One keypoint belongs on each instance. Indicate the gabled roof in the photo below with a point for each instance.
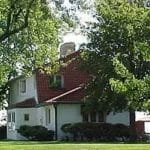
(70, 97)
(28, 103)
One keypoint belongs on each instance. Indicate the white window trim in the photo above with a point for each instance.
(11, 123)
(48, 116)
(62, 79)
(20, 86)
(97, 118)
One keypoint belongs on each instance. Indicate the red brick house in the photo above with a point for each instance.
(52, 100)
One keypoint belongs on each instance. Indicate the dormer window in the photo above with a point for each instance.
(56, 81)
(23, 86)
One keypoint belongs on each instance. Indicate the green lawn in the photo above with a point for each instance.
(20, 145)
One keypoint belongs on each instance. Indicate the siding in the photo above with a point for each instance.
(15, 94)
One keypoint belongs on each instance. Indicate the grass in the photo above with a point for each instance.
(26, 145)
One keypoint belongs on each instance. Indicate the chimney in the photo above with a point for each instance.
(66, 49)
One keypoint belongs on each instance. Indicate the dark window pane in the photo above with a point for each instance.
(85, 117)
(13, 117)
(58, 81)
(23, 86)
(55, 81)
(49, 116)
(9, 117)
(26, 117)
(58, 78)
(50, 80)
(100, 117)
(93, 116)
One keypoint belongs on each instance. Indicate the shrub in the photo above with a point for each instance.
(39, 133)
(65, 127)
(121, 130)
(3, 132)
(25, 131)
(98, 131)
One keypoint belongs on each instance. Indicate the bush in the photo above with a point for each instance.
(3, 132)
(39, 133)
(98, 131)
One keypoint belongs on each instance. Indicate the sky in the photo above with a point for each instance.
(77, 37)
(83, 15)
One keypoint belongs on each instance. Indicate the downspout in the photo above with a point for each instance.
(132, 117)
(132, 123)
(56, 126)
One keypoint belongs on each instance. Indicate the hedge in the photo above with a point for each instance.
(99, 131)
(39, 133)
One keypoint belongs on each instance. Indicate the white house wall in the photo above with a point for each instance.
(19, 120)
(71, 113)
(42, 117)
(67, 113)
(15, 94)
(33, 118)
(142, 116)
(123, 117)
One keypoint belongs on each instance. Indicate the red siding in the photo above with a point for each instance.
(139, 126)
(73, 77)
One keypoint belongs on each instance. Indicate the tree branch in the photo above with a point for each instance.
(9, 32)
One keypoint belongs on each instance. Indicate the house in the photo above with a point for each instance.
(53, 100)
(142, 123)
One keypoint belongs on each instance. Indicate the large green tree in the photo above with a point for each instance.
(118, 57)
(28, 39)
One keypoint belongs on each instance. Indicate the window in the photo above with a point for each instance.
(26, 117)
(11, 121)
(85, 117)
(93, 117)
(101, 117)
(22, 86)
(56, 81)
(48, 116)
(11, 117)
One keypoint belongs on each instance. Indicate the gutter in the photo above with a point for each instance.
(56, 123)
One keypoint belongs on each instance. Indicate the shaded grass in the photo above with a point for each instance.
(56, 145)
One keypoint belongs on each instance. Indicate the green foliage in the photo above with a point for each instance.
(39, 133)
(99, 131)
(55, 81)
(3, 132)
(118, 57)
(28, 40)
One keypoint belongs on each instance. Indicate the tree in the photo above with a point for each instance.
(17, 13)
(28, 39)
(29, 36)
(118, 57)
